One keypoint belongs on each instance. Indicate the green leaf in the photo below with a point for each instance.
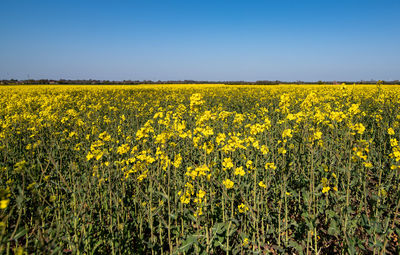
(333, 228)
(297, 246)
(56, 250)
(188, 243)
(218, 228)
(21, 232)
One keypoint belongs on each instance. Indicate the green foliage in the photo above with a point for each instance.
(145, 169)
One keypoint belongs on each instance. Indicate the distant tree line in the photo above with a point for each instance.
(136, 82)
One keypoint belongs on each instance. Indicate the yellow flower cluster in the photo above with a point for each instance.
(184, 159)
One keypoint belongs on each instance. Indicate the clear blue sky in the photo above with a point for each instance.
(200, 40)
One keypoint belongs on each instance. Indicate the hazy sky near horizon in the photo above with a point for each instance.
(249, 40)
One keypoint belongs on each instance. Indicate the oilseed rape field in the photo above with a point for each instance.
(200, 169)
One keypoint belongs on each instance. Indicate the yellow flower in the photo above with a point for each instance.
(196, 100)
(104, 136)
(317, 135)
(243, 208)
(72, 134)
(142, 176)
(198, 212)
(390, 131)
(325, 189)
(240, 171)
(208, 147)
(245, 242)
(227, 164)
(190, 172)
(270, 166)
(291, 116)
(123, 149)
(282, 150)
(396, 154)
(201, 171)
(367, 164)
(4, 203)
(228, 183)
(360, 128)
(262, 184)
(178, 160)
(220, 138)
(249, 164)
(185, 199)
(99, 155)
(287, 133)
(264, 149)
(19, 251)
(201, 194)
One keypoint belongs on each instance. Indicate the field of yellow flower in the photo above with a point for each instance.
(207, 169)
